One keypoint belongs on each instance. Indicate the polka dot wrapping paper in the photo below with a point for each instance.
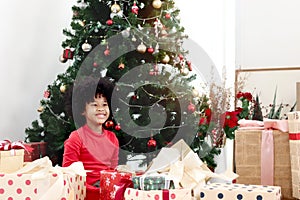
(109, 183)
(23, 187)
(229, 191)
(173, 194)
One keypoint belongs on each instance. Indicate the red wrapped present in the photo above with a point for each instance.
(39, 150)
(111, 181)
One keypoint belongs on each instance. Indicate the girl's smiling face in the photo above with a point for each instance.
(96, 113)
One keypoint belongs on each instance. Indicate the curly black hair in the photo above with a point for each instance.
(84, 91)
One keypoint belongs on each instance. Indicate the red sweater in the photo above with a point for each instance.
(96, 151)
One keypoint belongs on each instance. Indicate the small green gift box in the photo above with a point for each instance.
(157, 182)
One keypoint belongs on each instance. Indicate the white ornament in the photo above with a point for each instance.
(195, 92)
(126, 33)
(86, 47)
(184, 71)
(82, 5)
(133, 39)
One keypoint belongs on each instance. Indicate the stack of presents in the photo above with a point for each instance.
(267, 167)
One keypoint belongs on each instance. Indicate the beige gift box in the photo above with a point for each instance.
(11, 160)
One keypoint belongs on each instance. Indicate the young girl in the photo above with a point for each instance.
(96, 147)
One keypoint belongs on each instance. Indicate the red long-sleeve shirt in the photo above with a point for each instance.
(96, 151)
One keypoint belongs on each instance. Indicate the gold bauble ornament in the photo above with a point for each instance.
(121, 66)
(166, 59)
(156, 4)
(115, 8)
(141, 48)
(62, 59)
(41, 109)
(62, 88)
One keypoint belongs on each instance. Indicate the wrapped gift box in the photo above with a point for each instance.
(248, 159)
(294, 133)
(110, 182)
(39, 151)
(41, 181)
(174, 194)
(152, 182)
(298, 95)
(229, 191)
(11, 160)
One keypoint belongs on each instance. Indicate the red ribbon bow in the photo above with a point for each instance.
(6, 145)
(123, 184)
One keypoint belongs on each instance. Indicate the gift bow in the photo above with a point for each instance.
(122, 185)
(6, 145)
(43, 166)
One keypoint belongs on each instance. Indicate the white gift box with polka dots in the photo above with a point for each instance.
(174, 194)
(23, 187)
(229, 191)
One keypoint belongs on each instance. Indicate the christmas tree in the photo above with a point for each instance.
(138, 45)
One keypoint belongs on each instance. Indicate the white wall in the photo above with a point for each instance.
(268, 36)
(31, 37)
(268, 33)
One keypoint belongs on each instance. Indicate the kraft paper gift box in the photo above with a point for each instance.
(248, 158)
(298, 95)
(229, 191)
(11, 160)
(39, 150)
(38, 180)
(294, 135)
(110, 182)
(174, 194)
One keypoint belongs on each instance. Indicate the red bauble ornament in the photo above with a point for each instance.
(118, 127)
(189, 65)
(168, 16)
(107, 52)
(150, 50)
(95, 64)
(191, 108)
(109, 124)
(109, 22)
(180, 56)
(151, 143)
(47, 94)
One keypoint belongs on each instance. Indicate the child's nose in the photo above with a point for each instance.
(99, 107)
